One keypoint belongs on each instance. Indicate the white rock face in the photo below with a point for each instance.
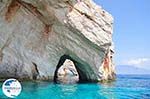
(67, 73)
(35, 34)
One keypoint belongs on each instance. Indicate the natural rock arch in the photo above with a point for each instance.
(38, 32)
(82, 69)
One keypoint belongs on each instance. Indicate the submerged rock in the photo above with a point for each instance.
(35, 34)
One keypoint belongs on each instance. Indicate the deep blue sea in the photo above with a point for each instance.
(125, 87)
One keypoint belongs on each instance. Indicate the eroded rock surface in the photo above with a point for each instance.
(67, 73)
(35, 34)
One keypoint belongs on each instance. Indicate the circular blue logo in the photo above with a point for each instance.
(11, 88)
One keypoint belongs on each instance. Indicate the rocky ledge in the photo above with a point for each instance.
(43, 39)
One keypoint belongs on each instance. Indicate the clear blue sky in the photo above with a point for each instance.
(131, 30)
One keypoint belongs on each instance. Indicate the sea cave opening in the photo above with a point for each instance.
(83, 75)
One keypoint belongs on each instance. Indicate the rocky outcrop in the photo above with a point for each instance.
(67, 73)
(107, 69)
(37, 36)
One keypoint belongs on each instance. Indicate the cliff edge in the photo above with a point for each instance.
(37, 36)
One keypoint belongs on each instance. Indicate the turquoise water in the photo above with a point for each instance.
(125, 87)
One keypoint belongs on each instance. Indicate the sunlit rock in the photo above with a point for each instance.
(67, 73)
(35, 34)
(107, 69)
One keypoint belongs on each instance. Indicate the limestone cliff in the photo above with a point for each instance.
(37, 36)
